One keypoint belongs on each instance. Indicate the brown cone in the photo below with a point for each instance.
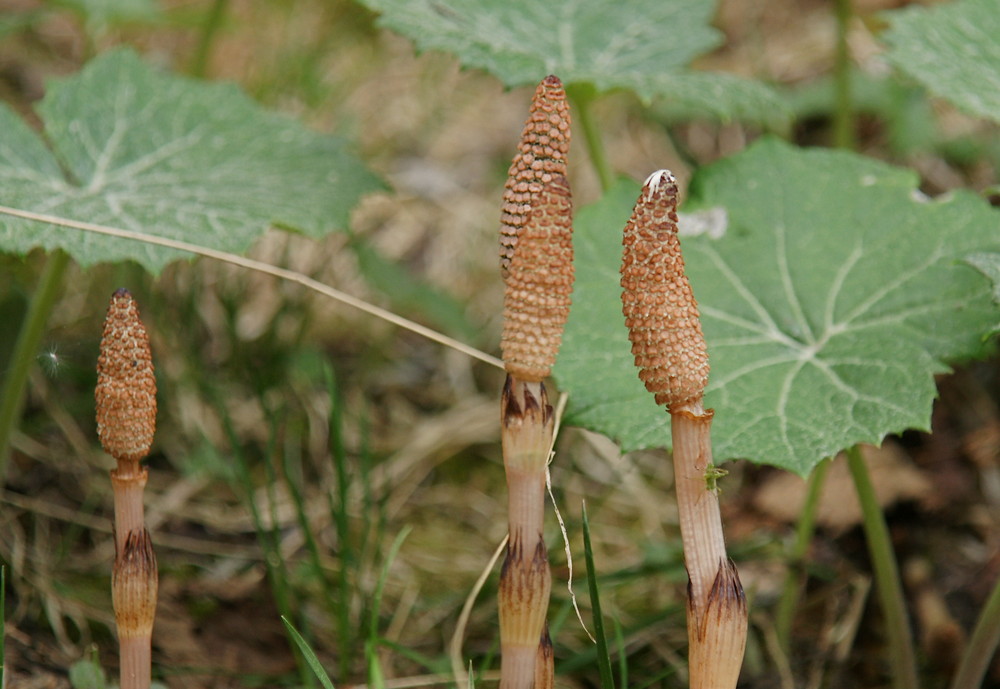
(540, 156)
(539, 285)
(126, 384)
(660, 310)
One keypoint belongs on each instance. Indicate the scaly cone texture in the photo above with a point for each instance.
(126, 421)
(541, 155)
(672, 357)
(539, 284)
(126, 386)
(660, 311)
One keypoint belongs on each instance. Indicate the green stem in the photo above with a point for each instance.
(887, 578)
(209, 29)
(803, 537)
(26, 350)
(983, 644)
(843, 113)
(582, 96)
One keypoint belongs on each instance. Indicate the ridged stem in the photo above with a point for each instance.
(135, 662)
(25, 351)
(527, 425)
(890, 590)
(134, 586)
(128, 482)
(697, 503)
(717, 610)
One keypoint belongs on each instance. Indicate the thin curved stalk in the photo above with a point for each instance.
(890, 590)
(25, 351)
(260, 267)
(582, 97)
(804, 531)
(982, 646)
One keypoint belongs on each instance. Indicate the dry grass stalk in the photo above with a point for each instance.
(536, 262)
(672, 357)
(126, 421)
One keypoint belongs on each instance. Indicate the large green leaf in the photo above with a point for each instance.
(643, 46)
(131, 147)
(953, 50)
(833, 299)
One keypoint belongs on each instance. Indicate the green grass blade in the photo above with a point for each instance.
(338, 513)
(310, 657)
(603, 657)
(982, 646)
(295, 480)
(375, 677)
(622, 655)
(268, 539)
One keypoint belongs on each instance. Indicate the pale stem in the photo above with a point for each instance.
(527, 426)
(517, 667)
(697, 500)
(136, 662)
(526, 505)
(128, 482)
